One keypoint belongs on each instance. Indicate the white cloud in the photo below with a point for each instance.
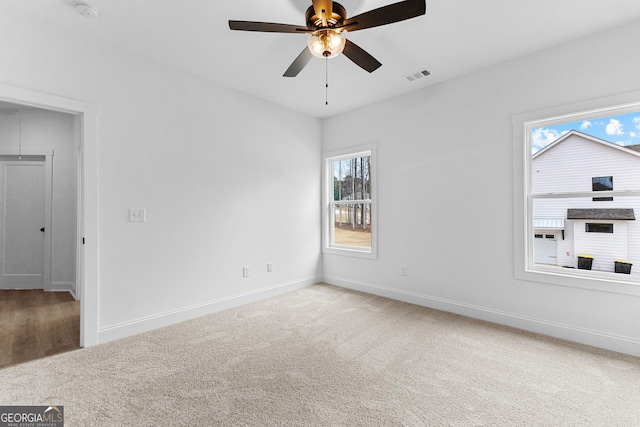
(614, 128)
(636, 132)
(586, 125)
(541, 137)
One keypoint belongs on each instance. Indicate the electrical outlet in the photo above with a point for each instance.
(137, 215)
(246, 271)
(269, 268)
(403, 270)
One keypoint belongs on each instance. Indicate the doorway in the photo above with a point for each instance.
(32, 319)
(85, 116)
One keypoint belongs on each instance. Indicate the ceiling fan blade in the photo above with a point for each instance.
(360, 57)
(327, 6)
(267, 27)
(386, 15)
(299, 63)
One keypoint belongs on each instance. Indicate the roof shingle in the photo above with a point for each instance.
(610, 214)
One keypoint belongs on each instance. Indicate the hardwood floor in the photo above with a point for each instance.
(35, 324)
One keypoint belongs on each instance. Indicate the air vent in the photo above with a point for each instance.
(417, 75)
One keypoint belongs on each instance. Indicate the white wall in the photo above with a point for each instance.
(55, 131)
(445, 192)
(226, 180)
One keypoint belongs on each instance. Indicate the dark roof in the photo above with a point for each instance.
(633, 147)
(611, 214)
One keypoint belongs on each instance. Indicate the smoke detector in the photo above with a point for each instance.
(86, 10)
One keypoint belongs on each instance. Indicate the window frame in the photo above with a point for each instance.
(327, 202)
(593, 187)
(522, 124)
(598, 227)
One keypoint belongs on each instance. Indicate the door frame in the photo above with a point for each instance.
(87, 279)
(48, 200)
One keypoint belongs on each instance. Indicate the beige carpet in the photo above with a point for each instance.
(328, 356)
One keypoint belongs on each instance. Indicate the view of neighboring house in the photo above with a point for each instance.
(605, 228)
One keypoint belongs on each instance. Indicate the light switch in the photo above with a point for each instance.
(136, 215)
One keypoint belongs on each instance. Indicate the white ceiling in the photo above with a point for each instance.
(454, 38)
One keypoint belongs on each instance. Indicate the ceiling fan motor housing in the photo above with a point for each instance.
(337, 17)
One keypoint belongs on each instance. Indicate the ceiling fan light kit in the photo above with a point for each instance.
(326, 43)
(326, 21)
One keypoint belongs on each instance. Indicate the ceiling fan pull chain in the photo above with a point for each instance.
(20, 135)
(326, 80)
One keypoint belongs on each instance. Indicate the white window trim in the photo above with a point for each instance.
(524, 267)
(327, 198)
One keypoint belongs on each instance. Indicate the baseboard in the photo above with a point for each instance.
(63, 287)
(54, 287)
(567, 332)
(159, 320)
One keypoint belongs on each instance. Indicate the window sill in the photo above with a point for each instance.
(353, 252)
(601, 281)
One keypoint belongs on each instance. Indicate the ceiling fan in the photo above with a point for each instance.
(326, 20)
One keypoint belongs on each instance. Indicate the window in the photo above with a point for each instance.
(602, 183)
(349, 218)
(557, 152)
(595, 227)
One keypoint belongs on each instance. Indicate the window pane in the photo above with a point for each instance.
(579, 157)
(606, 234)
(352, 179)
(352, 221)
(352, 225)
(602, 183)
(591, 227)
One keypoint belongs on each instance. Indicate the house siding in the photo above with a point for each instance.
(604, 247)
(569, 166)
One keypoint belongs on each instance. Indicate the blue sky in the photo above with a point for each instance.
(623, 129)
